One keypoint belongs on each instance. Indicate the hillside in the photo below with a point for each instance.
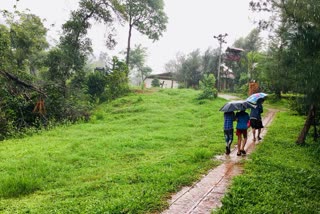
(129, 158)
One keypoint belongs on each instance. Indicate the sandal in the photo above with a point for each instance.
(243, 152)
(239, 154)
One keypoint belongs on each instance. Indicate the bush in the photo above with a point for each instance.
(16, 107)
(155, 82)
(96, 84)
(298, 104)
(117, 80)
(207, 85)
(208, 94)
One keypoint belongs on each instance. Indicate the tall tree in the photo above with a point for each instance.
(174, 65)
(28, 39)
(6, 55)
(252, 42)
(66, 62)
(74, 40)
(137, 63)
(298, 27)
(191, 70)
(298, 30)
(22, 38)
(246, 68)
(210, 60)
(69, 58)
(147, 17)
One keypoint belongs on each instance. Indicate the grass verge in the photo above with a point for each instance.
(280, 176)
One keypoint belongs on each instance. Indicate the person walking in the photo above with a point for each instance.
(229, 117)
(242, 118)
(255, 119)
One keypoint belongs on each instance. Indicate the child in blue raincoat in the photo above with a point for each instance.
(242, 119)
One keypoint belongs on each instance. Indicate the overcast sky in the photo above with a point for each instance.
(192, 25)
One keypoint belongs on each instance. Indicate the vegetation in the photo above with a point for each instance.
(138, 149)
(248, 67)
(22, 45)
(147, 17)
(208, 89)
(294, 51)
(280, 176)
(41, 87)
(190, 69)
(137, 64)
(110, 165)
(128, 158)
(289, 63)
(155, 82)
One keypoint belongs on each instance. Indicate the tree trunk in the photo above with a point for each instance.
(278, 94)
(128, 46)
(307, 124)
(315, 133)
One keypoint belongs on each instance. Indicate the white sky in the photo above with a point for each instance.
(192, 25)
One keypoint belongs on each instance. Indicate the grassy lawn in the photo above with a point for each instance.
(129, 158)
(280, 176)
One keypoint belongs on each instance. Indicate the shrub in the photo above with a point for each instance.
(117, 80)
(155, 82)
(207, 85)
(96, 84)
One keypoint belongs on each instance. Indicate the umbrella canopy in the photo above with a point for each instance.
(255, 97)
(238, 105)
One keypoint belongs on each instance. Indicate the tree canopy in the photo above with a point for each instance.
(296, 44)
(147, 17)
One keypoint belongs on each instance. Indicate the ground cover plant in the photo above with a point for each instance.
(129, 158)
(280, 176)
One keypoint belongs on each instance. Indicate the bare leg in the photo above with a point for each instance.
(244, 143)
(259, 131)
(239, 144)
(254, 134)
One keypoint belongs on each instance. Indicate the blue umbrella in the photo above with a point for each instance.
(255, 97)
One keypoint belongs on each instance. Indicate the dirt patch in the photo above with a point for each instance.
(206, 194)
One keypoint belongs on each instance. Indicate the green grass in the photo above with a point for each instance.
(129, 158)
(280, 176)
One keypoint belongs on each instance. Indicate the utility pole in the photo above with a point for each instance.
(221, 40)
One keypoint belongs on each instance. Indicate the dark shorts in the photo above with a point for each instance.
(256, 124)
(243, 132)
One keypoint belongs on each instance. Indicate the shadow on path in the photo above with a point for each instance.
(206, 194)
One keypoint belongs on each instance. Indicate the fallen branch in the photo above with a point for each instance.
(21, 82)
